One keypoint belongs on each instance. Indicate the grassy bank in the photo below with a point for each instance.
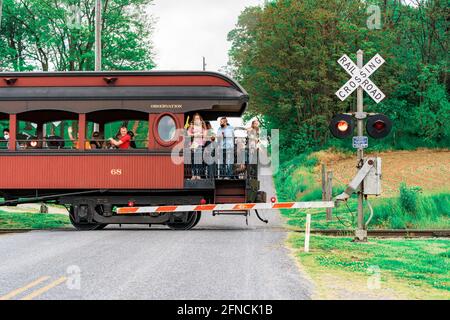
(381, 268)
(32, 220)
(409, 207)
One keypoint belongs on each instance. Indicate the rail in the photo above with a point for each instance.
(396, 233)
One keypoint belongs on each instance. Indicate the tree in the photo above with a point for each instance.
(59, 35)
(284, 53)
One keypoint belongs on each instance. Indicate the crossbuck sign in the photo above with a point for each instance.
(360, 78)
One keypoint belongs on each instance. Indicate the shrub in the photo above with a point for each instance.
(408, 198)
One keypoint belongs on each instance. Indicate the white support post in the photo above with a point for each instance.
(98, 35)
(307, 231)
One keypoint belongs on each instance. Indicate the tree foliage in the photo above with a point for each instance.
(59, 35)
(285, 54)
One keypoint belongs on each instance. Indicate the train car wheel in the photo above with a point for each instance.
(192, 221)
(198, 218)
(84, 226)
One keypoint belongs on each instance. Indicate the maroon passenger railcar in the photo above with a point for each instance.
(92, 182)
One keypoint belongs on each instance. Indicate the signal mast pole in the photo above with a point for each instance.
(98, 35)
(98, 42)
(1, 8)
(360, 233)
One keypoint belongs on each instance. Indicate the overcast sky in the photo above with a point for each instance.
(187, 30)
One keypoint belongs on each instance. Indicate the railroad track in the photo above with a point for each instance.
(392, 233)
(2, 231)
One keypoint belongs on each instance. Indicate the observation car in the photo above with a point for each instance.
(58, 149)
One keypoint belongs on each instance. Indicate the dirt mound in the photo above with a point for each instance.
(428, 169)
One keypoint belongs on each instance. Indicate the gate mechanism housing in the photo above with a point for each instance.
(369, 176)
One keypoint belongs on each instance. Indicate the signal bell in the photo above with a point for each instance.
(378, 126)
(342, 125)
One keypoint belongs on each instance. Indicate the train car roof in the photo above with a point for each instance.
(211, 93)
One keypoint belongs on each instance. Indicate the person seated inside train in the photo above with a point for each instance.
(75, 141)
(6, 136)
(55, 142)
(97, 141)
(123, 141)
(132, 142)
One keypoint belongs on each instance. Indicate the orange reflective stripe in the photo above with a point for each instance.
(244, 206)
(283, 205)
(205, 207)
(166, 208)
(126, 210)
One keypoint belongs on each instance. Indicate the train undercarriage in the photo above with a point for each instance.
(95, 209)
(95, 212)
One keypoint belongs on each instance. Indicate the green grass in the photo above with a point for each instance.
(413, 209)
(416, 262)
(32, 220)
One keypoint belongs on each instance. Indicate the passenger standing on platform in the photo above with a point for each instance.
(197, 133)
(253, 141)
(210, 150)
(225, 137)
(253, 134)
(123, 141)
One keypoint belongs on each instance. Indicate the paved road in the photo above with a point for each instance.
(221, 258)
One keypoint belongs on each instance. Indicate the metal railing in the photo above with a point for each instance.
(214, 162)
(55, 143)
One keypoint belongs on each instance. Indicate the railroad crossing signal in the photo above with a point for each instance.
(342, 126)
(360, 78)
(378, 126)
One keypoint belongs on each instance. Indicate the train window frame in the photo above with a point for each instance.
(156, 135)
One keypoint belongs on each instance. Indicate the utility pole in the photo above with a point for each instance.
(98, 43)
(1, 7)
(360, 234)
(204, 64)
(98, 35)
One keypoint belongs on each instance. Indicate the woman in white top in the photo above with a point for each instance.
(253, 134)
(197, 132)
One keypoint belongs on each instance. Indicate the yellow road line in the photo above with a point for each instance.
(42, 290)
(24, 288)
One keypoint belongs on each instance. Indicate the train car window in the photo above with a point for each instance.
(166, 128)
(27, 135)
(137, 129)
(50, 135)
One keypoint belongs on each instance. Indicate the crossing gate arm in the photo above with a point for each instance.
(228, 207)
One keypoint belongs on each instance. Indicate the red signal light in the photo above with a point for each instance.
(203, 201)
(273, 199)
(342, 126)
(379, 125)
(131, 203)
